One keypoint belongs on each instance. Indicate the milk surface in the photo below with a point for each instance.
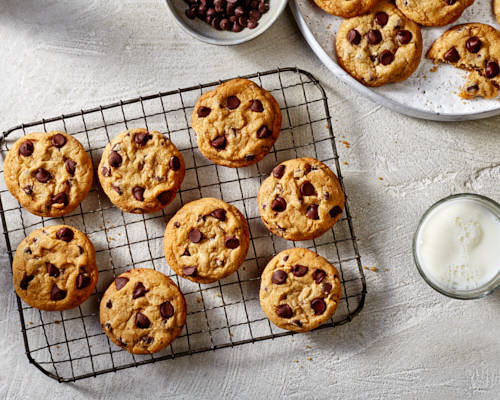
(459, 245)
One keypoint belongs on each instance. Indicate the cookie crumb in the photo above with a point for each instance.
(296, 361)
(380, 178)
(56, 321)
(435, 68)
(386, 269)
(308, 347)
(346, 144)
(198, 299)
(373, 269)
(31, 323)
(345, 162)
(310, 359)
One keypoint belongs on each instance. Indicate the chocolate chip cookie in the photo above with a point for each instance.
(379, 47)
(237, 123)
(141, 171)
(301, 199)
(206, 240)
(48, 173)
(496, 9)
(54, 268)
(346, 8)
(433, 12)
(143, 311)
(473, 47)
(299, 290)
(478, 86)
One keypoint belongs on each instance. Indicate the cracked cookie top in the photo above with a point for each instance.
(433, 12)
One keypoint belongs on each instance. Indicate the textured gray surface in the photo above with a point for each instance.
(61, 56)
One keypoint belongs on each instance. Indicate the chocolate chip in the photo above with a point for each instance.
(252, 24)
(191, 13)
(299, 270)
(381, 18)
(452, 55)
(141, 321)
(175, 163)
(386, 57)
(109, 304)
(167, 310)
(42, 175)
(335, 211)
(139, 290)
(307, 189)
(52, 270)
(204, 111)
(28, 189)
(474, 45)
(138, 193)
(263, 8)
(120, 282)
(279, 204)
(122, 342)
(60, 198)
(26, 281)
(473, 88)
(26, 148)
(187, 253)
(195, 236)
(285, 259)
(327, 288)
(319, 306)
(279, 171)
(231, 242)
(374, 36)
(312, 212)
(284, 311)
(147, 339)
(219, 143)
(189, 271)
(492, 70)
(57, 294)
(105, 171)
(232, 102)
(243, 20)
(58, 140)
(354, 37)
(254, 15)
(404, 36)
(225, 24)
(164, 197)
(65, 234)
(176, 224)
(318, 275)
(142, 138)
(27, 250)
(216, 25)
(297, 322)
(264, 132)
(115, 160)
(257, 106)
(117, 189)
(82, 281)
(279, 277)
(219, 214)
(236, 27)
(70, 166)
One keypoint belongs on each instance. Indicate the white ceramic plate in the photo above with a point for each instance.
(206, 33)
(426, 94)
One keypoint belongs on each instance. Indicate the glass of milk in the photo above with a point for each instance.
(457, 246)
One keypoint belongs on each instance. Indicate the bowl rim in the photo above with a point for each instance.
(225, 42)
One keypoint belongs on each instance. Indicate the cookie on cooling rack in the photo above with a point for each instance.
(346, 8)
(237, 123)
(478, 86)
(54, 268)
(473, 47)
(379, 47)
(141, 171)
(143, 311)
(48, 173)
(206, 240)
(301, 199)
(299, 290)
(433, 12)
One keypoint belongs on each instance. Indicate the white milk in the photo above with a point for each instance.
(459, 245)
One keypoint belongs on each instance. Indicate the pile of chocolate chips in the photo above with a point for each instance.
(228, 15)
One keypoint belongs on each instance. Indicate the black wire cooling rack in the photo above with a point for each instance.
(71, 345)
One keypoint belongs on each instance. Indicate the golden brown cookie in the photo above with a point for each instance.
(143, 311)
(48, 173)
(473, 47)
(346, 8)
(206, 240)
(301, 199)
(141, 171)
(54, 268)
(478, 86)
(496, 9)
(299, 290)
(237, 123)
(379, 47)
(433, 12)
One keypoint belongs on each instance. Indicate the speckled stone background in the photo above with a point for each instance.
(62, 56)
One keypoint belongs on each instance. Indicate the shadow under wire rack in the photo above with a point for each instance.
(71, 345)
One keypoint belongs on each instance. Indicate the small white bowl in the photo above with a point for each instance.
(206, 33)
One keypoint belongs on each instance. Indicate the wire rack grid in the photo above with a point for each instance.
(71, 345)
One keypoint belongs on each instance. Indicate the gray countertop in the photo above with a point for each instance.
(408, 341)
